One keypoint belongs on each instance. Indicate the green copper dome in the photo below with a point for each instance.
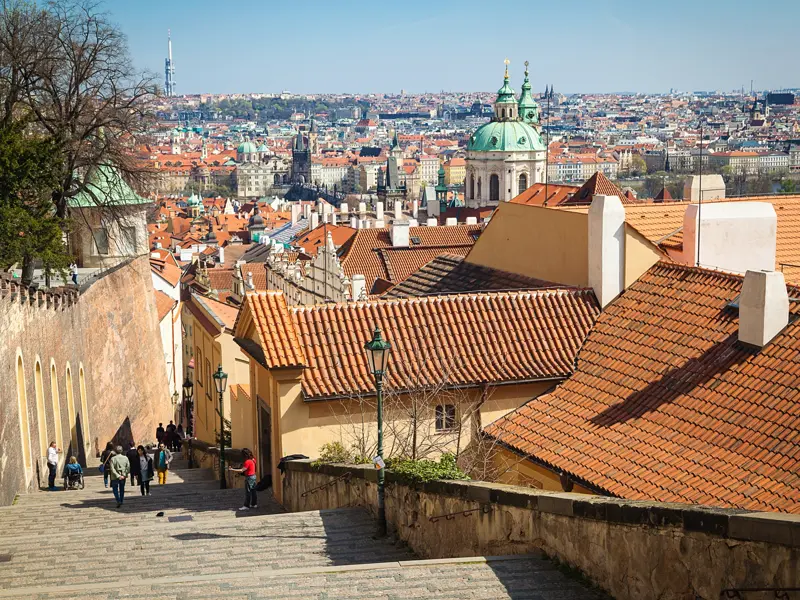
(505, 95)
(528, 108)
(505, 136)
(246, 148)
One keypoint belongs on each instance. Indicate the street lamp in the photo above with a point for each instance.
(221, 381)
(188, 386)
(378, 351)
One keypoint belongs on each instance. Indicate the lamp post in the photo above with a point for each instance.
(187, 400)
(221, 381)
(378, 351)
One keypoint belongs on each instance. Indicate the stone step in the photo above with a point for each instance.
(477, 578)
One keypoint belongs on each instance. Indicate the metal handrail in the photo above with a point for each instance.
(346, 476)
(484, 509)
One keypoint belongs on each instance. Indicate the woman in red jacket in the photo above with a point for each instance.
(248, 470)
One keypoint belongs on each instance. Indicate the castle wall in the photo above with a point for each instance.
(105, 348)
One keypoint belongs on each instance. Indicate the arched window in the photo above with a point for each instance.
(84, 409)
(479, 189)
(494, 188)
(56, 404)
(41, 415)
(22, 400)
(472, 186)
(523, 183)
(70, 408)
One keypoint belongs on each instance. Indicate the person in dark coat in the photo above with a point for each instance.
(146, 472)
(133, 458)
(160, 432)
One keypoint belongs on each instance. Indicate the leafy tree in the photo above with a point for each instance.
(638, 166)
(30, 229)
(788, 186)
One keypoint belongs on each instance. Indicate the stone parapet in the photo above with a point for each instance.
(632, 549)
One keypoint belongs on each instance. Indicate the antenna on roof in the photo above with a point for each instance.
(547, 151)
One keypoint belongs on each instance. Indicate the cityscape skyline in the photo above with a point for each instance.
(309, 56)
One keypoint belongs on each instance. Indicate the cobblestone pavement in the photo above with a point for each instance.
(77, 544)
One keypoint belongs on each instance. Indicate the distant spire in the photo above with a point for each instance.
(169, 69)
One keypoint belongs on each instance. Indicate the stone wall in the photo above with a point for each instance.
(110, 384)
(631, 549)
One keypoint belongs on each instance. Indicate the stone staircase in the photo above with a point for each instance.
(77, 544)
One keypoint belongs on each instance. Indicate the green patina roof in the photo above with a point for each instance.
(504, 136)
(106, 188)
(505, 95)
(246, 148)
(528, 108)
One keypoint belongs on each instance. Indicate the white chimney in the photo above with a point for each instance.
(398, 209)
(400, 234)
(713, 188)
(432, 222)
(380, 223)
(415, 208)
(314, 219)
(451, 221)
(763, 307)
(307, 211)
(606, 248)
(343, 209)
(221, 255)
(362, 209)
(155, 255)
(354, 222)
(324, 217)
(333, 218)
(730, 236)
(472, 220)
(359, 287)
(379, 210)
(295, 213)
(413, 223)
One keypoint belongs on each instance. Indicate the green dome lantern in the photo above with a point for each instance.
(505, 95)
(528, 108)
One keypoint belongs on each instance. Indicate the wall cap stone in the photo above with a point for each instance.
(775, 528)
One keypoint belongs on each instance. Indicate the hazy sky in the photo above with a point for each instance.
(429, 45)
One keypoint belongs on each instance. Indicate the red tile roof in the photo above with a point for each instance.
(259, 271)
(164, 304)
(279, 340)
(310, 241)
(535, 195)
(663, 194)
(596, 184)
(361, 253)
(463, 340)
(667, 405)
(220, 279)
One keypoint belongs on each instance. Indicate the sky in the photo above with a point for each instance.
(579, 46)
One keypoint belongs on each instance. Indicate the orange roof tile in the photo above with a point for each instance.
(279, 340)
(459, 340)
(665, 403)
(164, 304)
(259, 272)
(310, 241)
(596, 184)
(535, 195)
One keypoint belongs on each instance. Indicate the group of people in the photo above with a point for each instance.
(117, 465)
(171, 437)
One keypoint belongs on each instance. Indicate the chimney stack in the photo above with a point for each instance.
(295, 214)
(398, 209)
(333, 218)
(354, 222)
(221, 255)
(343, 209)
(400, 234)
(415, 208)
(451, 221)
(432, 222)
(472, 220)
(379, 210)
(359, 287)
(763, 307)
(362, 209)
(314, 220)
(606, 248)
(307, 211)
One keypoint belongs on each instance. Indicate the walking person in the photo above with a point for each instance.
(105, 457)
(52, 464)
(160, 433)
(164, 457)
(248, 471)
(171, 437)
(120, 467)
(73, 271)
(133, 459)
(145, 462)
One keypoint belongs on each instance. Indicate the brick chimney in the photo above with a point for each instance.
(400, 234)
(763, 307)
(606, 248)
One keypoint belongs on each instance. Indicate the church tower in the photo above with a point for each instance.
(301, 160)
(528, 108)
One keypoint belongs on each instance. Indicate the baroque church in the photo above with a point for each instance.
(506, 155)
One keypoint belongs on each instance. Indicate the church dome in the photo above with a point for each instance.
(263, 148)
(505, 136)
(255, 221)
(194, 200)
(246, 148)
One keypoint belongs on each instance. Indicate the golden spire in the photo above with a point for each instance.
(506, 61)
(526, 68)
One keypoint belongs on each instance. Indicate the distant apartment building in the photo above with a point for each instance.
(330, 172)
(254, 180)
(429, 168)
(680, 160)
(580, 167)
(751, 163)
(368, 176)
(455, 171)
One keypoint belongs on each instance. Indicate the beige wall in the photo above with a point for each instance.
(516, 470)
(551, 244)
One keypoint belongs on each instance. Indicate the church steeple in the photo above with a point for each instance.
(505, 107)
(528, 108)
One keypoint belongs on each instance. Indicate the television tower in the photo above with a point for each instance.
(169, 69)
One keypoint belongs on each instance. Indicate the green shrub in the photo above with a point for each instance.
(333, 452)
(420, 471)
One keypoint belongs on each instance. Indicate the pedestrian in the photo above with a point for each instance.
(160, 432)
(162, 463)
(73, 271)
(52, 464)
(180, 433)
(120, 467)
(105, 456)
(133, 459)
(248, 470)
(145, 462)
(170, 441)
